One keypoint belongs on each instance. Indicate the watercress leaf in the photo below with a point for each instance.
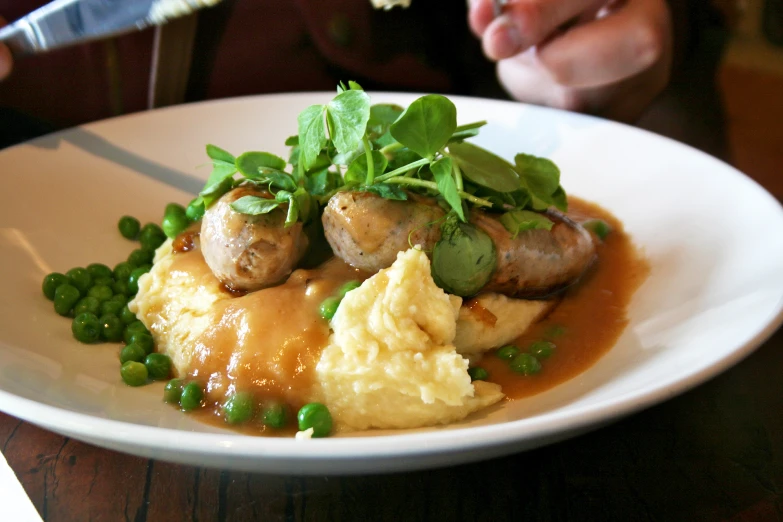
(216, 153)
(517, 221)
(277, 179)
(384, 140)
(484, 168)
(250, 164)
(301, 198)
(387, 191)
(382, 115)
(402, 157)
(357, 171)
(354, 86)
(341, 87)
(470, 126)
(253, 205)
(462, 135)
(291, 141)
(213, 192)
(441, 171)
(426, 125)
(346, 116)
(464, 258)
(322, 181)
(345, 158)
(541, 175)
(560, 199)
(312, 136)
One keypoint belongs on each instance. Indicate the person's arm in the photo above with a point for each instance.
(614, 59)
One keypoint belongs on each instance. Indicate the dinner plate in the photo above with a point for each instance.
(713, 238)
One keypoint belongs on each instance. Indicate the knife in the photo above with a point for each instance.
(67, 22)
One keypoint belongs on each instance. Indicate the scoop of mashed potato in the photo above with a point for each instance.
(391, 361)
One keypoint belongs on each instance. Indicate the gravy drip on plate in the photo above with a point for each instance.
(589, 318)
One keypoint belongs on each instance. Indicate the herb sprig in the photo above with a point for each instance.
(350, 144)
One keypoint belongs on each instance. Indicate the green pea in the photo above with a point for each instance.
(51, 282)
(347, 287)
(525, 364)
(65, 297)
(151, 236)
(192, 395)
(97, 270)
(315, 415)
(556, 330)
(329, 307)
(80, 278)
(111, 328)
(144, 340)
(507, 352)
(542, 349)
(87, 305)
(195, 210)
(238, 408)
(112, 306)
(175, 220)
(135, 327)
(599, 227)
(133, 373)
(129, 227)
(122, 271)
(274, 415)
(140, 257)
(478, 373)
(158, 365)
(173, 391)
(133, 280)
(126, 316)
(100, 292)
(105, 281)
(120, 287)
(86, 328)
(132, 352)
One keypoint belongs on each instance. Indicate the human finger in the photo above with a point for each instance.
(525, 23)
(620, 45)
(6, 60)
(481, 13)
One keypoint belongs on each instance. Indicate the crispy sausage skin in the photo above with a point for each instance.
(367, 231)
(250, 252)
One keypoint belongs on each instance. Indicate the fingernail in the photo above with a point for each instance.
(506, 40)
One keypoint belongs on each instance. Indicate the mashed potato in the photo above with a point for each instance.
(397, 356)
(391, 361)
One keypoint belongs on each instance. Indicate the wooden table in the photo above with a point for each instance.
(715, 453)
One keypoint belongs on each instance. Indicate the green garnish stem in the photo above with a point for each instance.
(457, 176)
(432, 186)
(402, 170)
(391, 147)
(370, 162)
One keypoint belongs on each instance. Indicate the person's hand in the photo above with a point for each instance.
(6, 60)
(604, 57)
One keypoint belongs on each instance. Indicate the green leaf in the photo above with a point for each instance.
(426, 125)
(357, 171)
(293, 206)
(560, 199)
(346, 158)
(276, 178)
(464, 259)
(401, 158)
(387, 191)
(253, 205)
(346, 116)
(312, 136)
(382, 115)
(292, 141)
(541, 176)
(484, 168)
(216, 153)
(322, 181)
(219, 182)
(469, 130)
(517, 221)
(250, 164)
(599, 227)
(441, 171)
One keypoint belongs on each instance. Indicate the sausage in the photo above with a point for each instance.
(368, 231)
(250, 252)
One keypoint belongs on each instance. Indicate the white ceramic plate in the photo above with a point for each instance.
(713, 237)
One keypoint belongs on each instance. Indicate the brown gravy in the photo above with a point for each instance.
(589, 318)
